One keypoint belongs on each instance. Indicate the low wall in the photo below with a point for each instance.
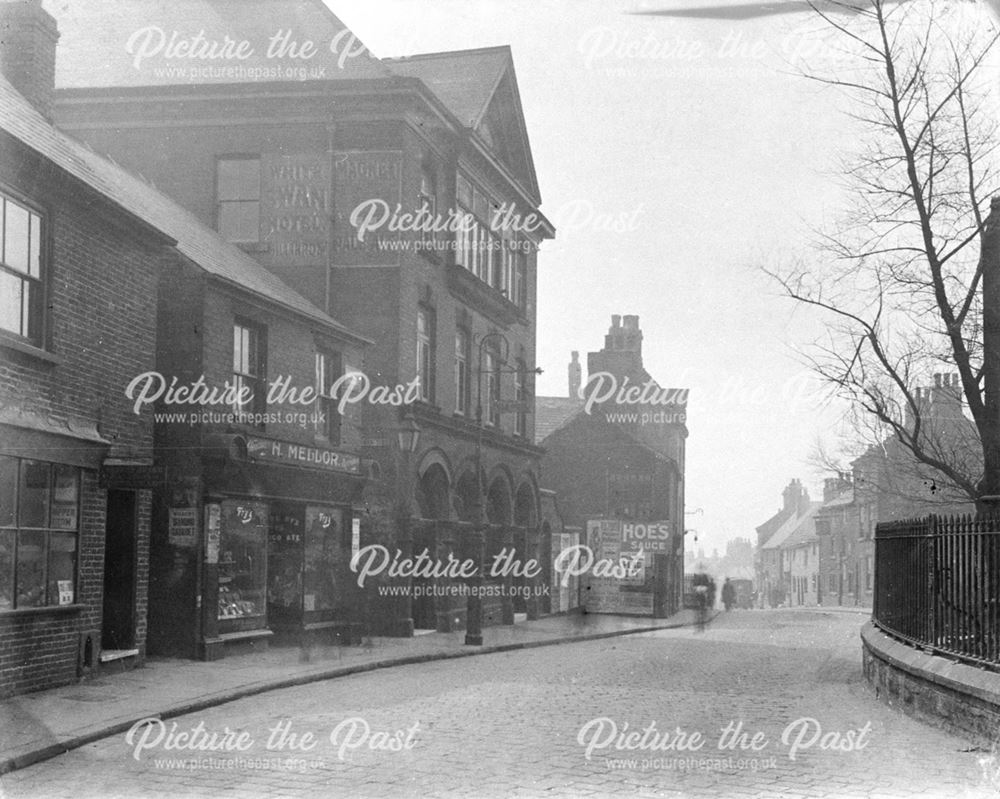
(961, 698)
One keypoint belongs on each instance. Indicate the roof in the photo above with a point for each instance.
(105, 43)
(795, 529)
(846, 497)
(464, 80)
(622, 432)
(202, 245)
(551, 413)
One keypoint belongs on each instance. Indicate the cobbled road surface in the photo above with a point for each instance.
(642, 715)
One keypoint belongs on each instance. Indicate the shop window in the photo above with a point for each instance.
(238, 198)
(462, 376)
(326, 559)
(425, 353)
(329, 367)
(20, 270)
(39, 526)
(242, 565)
(249, 371)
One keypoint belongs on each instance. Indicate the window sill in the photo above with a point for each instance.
(54, 609)
(17, 344)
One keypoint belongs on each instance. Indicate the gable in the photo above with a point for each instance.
(502, 127)
(480, 88)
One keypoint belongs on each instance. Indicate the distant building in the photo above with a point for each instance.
(888, 484)
(845, 568)
(611, 458)
(768, 564)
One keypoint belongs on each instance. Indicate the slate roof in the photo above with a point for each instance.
(202, 245)
(465, 80)
(796, 529)
(551, 413)
(95, 36)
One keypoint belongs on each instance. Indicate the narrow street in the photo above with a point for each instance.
(787, 684)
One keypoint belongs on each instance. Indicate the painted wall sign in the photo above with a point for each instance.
(295, 208)
(366, 180)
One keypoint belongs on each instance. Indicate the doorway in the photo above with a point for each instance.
(118, 626)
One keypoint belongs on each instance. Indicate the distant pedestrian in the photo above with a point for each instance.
(728, 595)
(702, 585)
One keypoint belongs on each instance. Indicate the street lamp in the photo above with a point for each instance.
(407, 437)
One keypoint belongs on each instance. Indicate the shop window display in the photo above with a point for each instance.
(242, 566)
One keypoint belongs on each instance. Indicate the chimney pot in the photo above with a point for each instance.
(616, 320)
(575, 373)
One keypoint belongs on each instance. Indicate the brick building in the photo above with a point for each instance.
(77, 313)
(254, 529)
(317, 160)
(608, 459)
(845, 568)
(887, 484)
(229, 517)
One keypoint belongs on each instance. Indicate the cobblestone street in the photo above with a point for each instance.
(524, 723)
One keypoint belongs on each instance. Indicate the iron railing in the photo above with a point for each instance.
(937, 585)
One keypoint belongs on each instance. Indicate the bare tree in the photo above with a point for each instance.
(906, 281)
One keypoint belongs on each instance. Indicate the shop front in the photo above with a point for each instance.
(268, 535)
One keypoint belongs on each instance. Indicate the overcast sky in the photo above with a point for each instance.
(700, 138)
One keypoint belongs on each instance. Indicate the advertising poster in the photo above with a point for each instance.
(629, 589)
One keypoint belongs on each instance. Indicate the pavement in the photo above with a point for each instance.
(42, 725)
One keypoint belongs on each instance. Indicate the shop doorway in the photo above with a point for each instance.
(118, 627)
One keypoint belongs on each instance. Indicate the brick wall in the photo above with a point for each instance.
(101, 328)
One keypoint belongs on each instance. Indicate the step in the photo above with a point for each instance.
(111, 655)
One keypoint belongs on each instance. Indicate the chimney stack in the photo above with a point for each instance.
(833, 487)
(28, 37)
(575, 375)
(944, 401)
